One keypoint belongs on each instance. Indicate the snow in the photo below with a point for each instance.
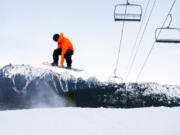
(39, 70)
(170, 90)
(85, 73)
(88, 121)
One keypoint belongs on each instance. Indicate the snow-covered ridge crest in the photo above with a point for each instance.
(28, 71)
(171, 91)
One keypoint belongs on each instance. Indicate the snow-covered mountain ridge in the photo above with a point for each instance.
(24, 86)
(26, 74)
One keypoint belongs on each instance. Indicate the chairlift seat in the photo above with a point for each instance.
(116, 79)
(168, 28)
(166, 40)
(126, 16)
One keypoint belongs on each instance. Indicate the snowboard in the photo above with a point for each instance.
(73, 69)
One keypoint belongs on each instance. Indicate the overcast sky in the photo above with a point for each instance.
(27, 27)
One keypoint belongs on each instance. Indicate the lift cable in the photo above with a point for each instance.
(135, 43)
(140, 41)
(145, 62)
(120, 44)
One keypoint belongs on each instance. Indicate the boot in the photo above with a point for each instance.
(54, 64)
(68, 67)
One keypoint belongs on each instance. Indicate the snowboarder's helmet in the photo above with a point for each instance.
(55, 37)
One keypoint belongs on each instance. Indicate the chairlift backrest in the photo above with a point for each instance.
(122, 13)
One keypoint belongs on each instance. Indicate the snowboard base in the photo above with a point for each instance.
(73, 69)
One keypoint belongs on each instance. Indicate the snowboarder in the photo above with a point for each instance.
(64, 48)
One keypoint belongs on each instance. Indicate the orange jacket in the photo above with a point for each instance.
(65, 44)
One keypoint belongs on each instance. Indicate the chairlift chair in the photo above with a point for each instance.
(160, 39)
(126, 15)
(115, 79)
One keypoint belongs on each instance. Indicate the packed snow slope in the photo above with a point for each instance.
(90, 121)
(24, 86)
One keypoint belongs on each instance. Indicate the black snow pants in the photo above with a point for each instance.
(67, 56)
